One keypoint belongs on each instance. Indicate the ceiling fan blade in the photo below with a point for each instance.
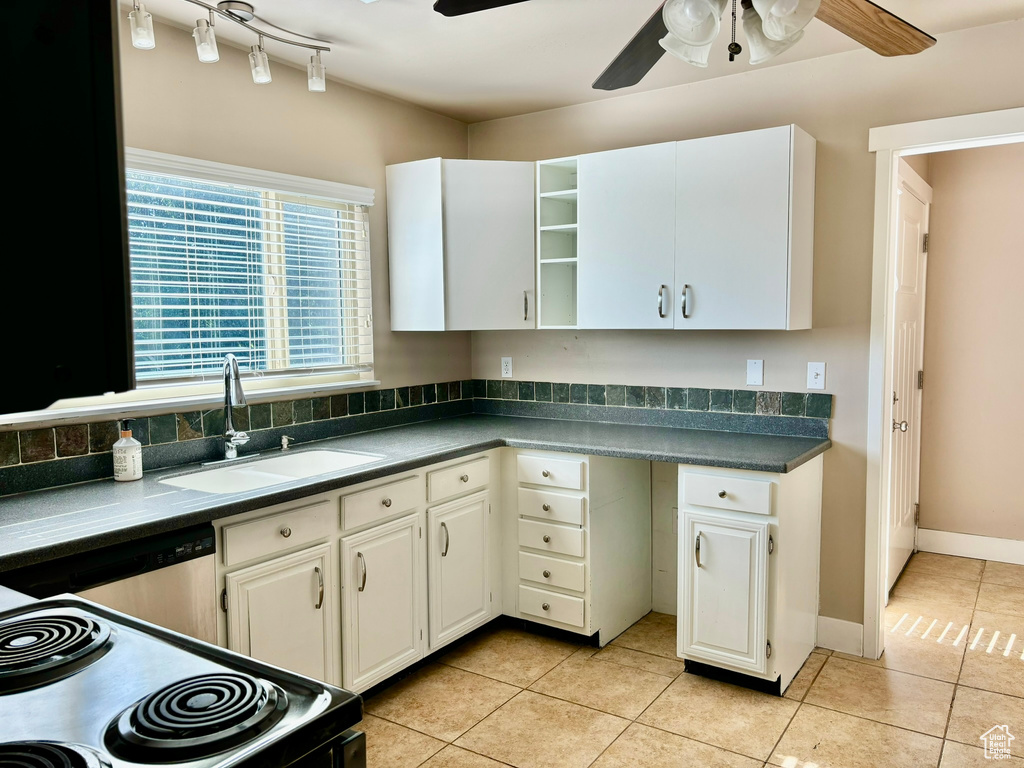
(874, 27)
(460, 7)
(636, 59)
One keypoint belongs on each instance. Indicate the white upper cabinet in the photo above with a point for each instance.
(461, 245)
(745, 230)
(627, 218)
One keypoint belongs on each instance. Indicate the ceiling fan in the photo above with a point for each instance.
(686, 28)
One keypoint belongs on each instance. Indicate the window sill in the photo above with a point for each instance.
(137, 408)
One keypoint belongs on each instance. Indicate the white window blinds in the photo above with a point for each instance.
(280, 280)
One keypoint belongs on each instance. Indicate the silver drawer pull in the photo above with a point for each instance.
(546, 606)
(546, 507)
(547, 539)
(547, 574)
(545, 473)
(722, 494)
(447, 540)
(320, 578)
(696, 551)
(385, 502)
(362, 563)
(286, 531)
(464, 478)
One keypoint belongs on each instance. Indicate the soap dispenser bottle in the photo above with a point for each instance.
(127, 456)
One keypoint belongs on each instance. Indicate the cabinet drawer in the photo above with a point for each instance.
(735, 493)
(551, 538)
(550, 570)
(378, 503)
(551, 605)
(558, 473)
(461, 478)
(548, 505)
(275, 533)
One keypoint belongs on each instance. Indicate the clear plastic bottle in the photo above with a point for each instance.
(127, 456)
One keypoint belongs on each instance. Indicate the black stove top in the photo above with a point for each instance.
(85, 687)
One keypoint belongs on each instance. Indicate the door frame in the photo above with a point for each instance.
(889, 143)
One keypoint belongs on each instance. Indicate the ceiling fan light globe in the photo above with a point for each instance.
(784, 18)
(694, 22)
(763, 48)
(697, 55)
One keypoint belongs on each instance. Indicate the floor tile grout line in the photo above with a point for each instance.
(869, 720)
(792, 717)
(816, 676)
(698, 741)
(866, 663)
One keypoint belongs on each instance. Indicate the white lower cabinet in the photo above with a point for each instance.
(382, 599)
(726, 579)
(282, 612)
(458, 562)
(748, 568)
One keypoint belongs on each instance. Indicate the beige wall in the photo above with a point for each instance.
(972, 422)
(837, 99)
(174, 104)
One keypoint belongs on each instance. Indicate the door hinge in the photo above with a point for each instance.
(421, 532)
(488, 509)
(917, 513)
(924, 245)
(920, 379)
(490, 597)
(421, 634)
(224, 600)
(768, 649)
(771, 545)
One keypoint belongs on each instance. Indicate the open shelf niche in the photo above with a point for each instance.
(556, 242)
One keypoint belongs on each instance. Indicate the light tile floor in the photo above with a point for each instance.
(953, 669)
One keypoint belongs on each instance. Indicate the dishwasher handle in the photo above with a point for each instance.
(80, 581)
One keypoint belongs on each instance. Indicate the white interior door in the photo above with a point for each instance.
(458, 568)
(627, 231)
(907, 360)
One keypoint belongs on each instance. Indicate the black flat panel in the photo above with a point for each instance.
(64, 306)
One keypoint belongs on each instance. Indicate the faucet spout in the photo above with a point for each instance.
(233, 395)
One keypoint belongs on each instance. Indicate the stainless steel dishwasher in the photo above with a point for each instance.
(167, 579)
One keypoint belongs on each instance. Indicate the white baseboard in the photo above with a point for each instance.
(967, 545)
(842, 636)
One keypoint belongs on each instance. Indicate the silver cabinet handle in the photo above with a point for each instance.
(722, 494)
(464, 478)
(447, 540)
(320, 578)
(546, 507)
(526, 305)
(661, 300)
(696, 551)
(286, 531)
(546, 606)
(683, 303)
(545, 473)
(385, 502)
(362, 563)
(902, 426)
(547, 574)
(547, 539)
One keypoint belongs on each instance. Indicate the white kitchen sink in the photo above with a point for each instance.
(262, 473)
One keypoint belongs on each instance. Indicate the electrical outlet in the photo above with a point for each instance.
(506, 367)
(815, 375)
(755, 373)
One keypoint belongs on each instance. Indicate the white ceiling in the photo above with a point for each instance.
(527, 57)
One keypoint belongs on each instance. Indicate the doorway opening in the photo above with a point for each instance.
(897, 334)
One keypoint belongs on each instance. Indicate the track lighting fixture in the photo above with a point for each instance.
(206, 40)
(241, 13)
(142, 27)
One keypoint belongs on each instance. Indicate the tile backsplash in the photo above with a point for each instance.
(49, 456)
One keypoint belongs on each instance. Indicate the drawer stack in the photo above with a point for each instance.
(553, 540)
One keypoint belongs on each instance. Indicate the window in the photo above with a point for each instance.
(278, 278)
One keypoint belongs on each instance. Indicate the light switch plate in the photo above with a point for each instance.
(506, 367)
(755, 373)
(815, 375)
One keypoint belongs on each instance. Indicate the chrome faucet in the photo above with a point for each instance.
(233, 395)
